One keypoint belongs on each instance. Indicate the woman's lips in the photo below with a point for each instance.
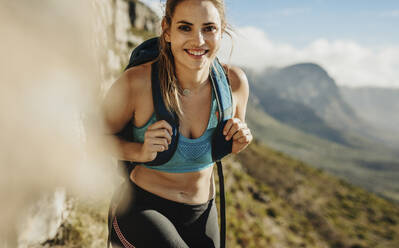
(196, 53)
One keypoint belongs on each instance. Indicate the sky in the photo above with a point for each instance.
(356, 42)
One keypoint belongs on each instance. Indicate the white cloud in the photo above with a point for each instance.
(348, 62)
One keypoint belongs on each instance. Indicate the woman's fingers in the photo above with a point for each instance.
(158, 141)
(232, 127)
(243, 135)
(159, 133)
(158, 148)
(161, 125)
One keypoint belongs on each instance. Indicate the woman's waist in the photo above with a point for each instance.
(190, 187)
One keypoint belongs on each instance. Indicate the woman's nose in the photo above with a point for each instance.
(198, 38)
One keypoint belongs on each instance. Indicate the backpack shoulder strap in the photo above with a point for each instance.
(221, 147)
(223, 90)
(162, 113)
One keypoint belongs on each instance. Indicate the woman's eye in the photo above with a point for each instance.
(209, 28)
(185, 28)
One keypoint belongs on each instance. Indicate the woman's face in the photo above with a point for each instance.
(195, 34)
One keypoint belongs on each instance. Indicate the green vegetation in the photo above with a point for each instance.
(85, 226)
(332, 210)
(272, 200)
(360, 166)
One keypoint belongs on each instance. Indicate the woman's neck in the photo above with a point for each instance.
(191, 79)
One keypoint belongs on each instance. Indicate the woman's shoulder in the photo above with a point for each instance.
(138, 77)
(240, 89)
(121, 99)
(237, 78)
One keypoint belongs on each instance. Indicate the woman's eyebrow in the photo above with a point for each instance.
(189, 23)
(185, 22)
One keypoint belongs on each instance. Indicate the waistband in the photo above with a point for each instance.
(143, 197)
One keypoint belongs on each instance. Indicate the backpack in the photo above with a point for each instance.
(149, 51)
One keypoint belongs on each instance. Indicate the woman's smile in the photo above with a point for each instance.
(196, 53)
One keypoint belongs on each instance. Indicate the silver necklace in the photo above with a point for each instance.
(187, 92)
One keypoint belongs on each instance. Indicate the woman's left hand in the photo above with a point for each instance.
(239, 132)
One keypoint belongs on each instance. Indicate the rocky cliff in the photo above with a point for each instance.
(70, 53)
(120, 26)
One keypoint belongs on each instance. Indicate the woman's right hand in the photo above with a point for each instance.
(156, 139)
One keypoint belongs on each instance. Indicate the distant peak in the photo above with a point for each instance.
(307, 66)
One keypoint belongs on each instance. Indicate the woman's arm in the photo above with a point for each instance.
(236, 128)
(118, 109)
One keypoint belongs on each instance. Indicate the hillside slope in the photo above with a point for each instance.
(376, 170)
(342, 215)
(272, 201)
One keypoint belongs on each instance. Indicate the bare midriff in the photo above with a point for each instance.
(189, 187)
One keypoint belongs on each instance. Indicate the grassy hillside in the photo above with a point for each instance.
(373, 168)
(272, 201)
(341, 214)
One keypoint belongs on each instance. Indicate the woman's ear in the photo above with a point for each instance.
(166, 30)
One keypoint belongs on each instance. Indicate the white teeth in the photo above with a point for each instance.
(196, 53)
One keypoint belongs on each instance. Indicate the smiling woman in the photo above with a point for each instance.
(171, 204)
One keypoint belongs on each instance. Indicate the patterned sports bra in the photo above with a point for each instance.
(191, 154)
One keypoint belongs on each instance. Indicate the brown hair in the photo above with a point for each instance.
(167, 73)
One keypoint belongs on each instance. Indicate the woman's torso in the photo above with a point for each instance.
(189, 187)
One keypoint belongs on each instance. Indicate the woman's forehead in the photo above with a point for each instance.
(196, 12)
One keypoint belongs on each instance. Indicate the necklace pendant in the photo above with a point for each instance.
(186, 92)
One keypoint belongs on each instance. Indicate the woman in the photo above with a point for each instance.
(172, 205)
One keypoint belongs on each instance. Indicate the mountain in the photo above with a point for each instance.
(375, 168)
(288, 110)
(378, 106)
(291, 110)
(273, 201)
(306, 97)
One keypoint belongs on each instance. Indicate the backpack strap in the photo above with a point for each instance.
(222, 205)
(162, 113)
(146, 52)
(224, 98)
(221, 147)
(143, 53)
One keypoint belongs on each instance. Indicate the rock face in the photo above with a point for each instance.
(143, 18)
(45, 217)
(120, 26)
(62, 68)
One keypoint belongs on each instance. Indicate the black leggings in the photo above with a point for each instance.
(145, 220)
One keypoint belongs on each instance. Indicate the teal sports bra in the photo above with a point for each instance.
(191, 154)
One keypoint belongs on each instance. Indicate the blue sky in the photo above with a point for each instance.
(356, 42)
(373, 23)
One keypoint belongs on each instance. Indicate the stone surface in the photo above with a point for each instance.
(60, 56)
